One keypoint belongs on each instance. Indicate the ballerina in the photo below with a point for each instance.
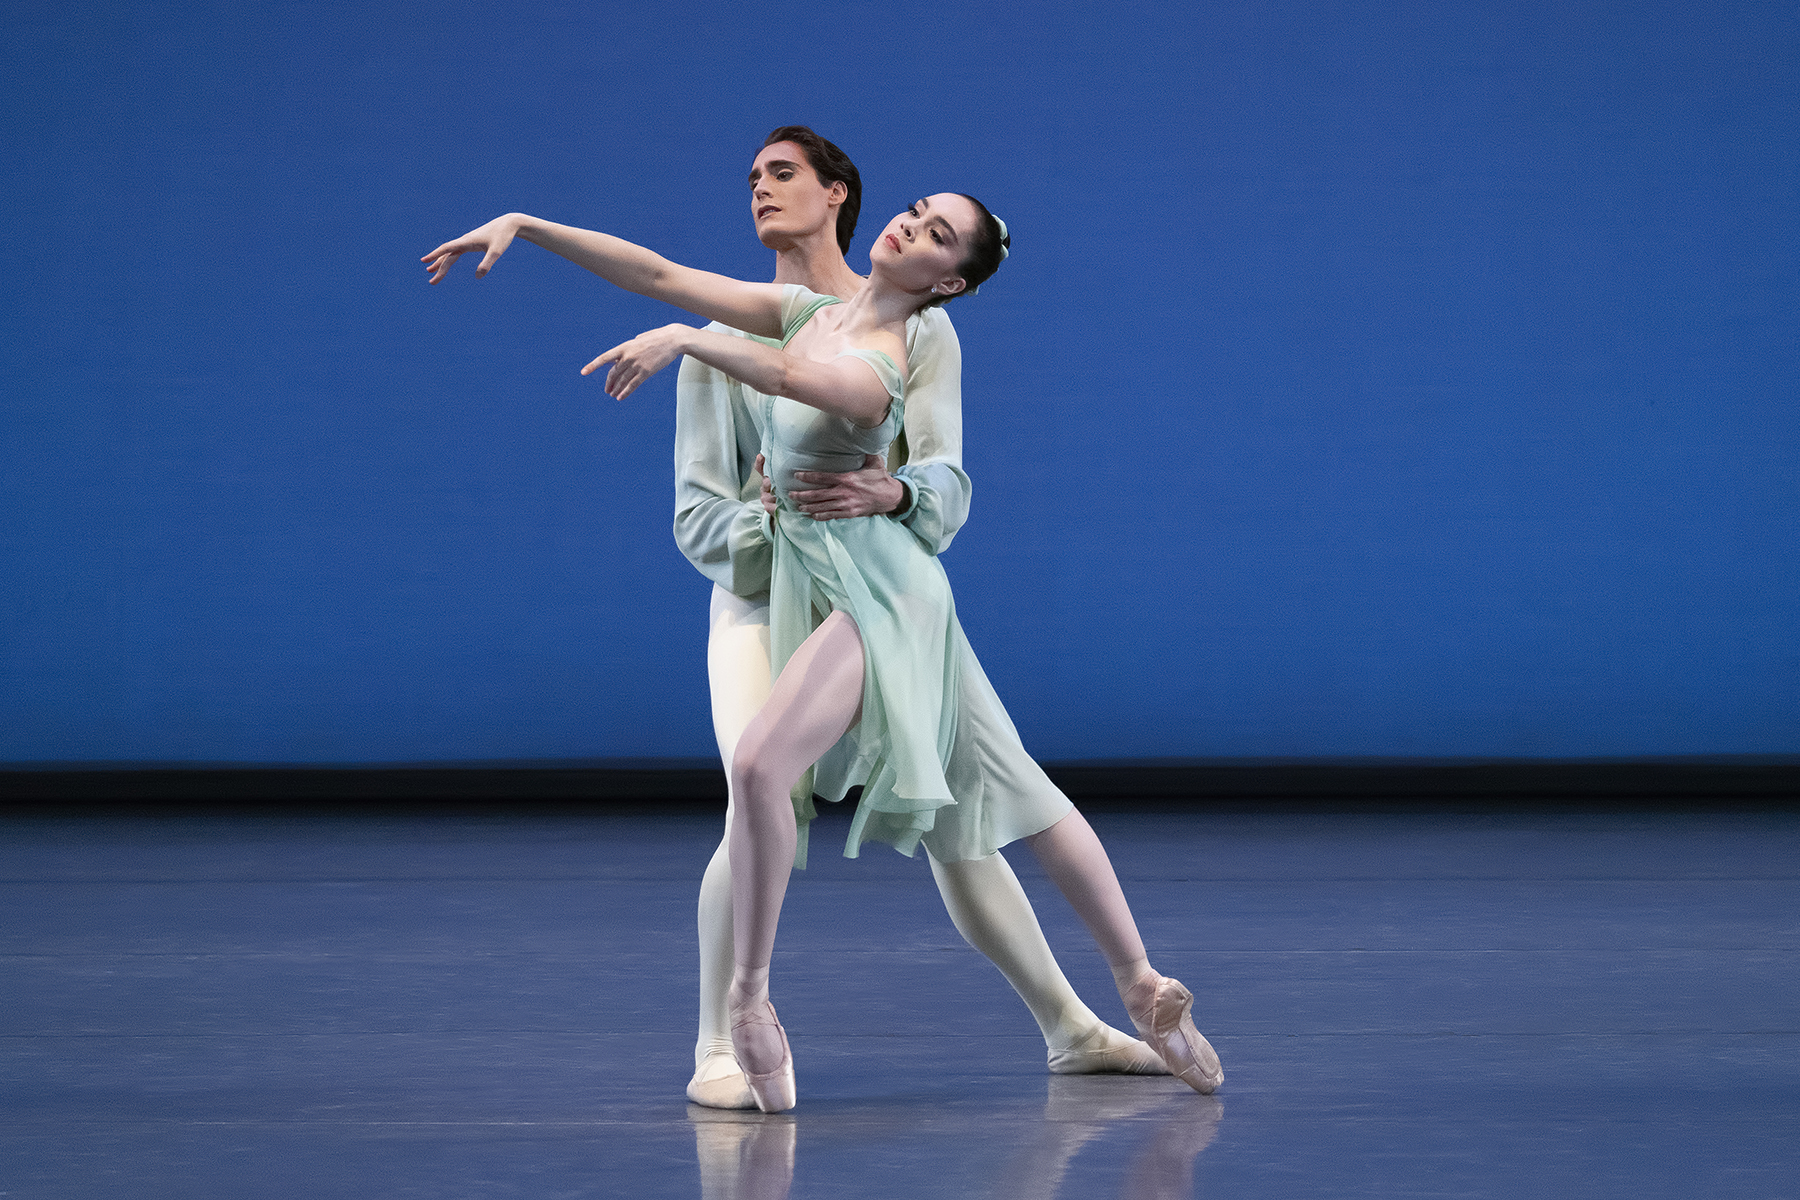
(805, 197)
(882, 666)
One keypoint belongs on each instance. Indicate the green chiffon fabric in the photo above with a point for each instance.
(875, 570)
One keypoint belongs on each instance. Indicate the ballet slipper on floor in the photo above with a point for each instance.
(719, 1083)
(1106, 1051)
(1161, 1009)
(773, 1090)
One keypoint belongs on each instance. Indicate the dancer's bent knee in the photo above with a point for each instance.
(760, 778)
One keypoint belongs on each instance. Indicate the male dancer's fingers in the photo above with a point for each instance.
(821, 504)
(768, 488)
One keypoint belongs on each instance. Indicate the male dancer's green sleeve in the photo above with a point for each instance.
(937, 487)
(718, 497)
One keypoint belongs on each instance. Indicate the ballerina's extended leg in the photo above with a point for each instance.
(1160, 1007)
(991, 911)
(816, 699)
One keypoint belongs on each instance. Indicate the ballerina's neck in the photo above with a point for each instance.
(878, 305)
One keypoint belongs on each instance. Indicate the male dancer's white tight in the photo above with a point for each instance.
(983, 896)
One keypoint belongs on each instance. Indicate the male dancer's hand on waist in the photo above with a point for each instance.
(835, 495)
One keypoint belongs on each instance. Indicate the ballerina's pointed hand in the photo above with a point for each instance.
(492, 238)
(637, 360)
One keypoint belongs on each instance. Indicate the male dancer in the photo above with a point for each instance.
(805, 197)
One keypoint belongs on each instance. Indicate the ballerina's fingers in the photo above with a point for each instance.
(639, 359)
(495, 249)
(438, 262)
(493, 238)
(610, 356)
(621, 380)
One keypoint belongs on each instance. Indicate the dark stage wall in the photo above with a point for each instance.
(1368, 379)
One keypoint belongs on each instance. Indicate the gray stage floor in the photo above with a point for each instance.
(1587, 1004)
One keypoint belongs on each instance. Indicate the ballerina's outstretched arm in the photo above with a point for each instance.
(752, 307)
(840, 386)
(844, 386)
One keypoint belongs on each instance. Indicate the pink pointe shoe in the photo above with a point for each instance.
(774, 1090)
(1162, 1011)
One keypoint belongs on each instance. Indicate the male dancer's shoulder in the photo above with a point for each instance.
(929, 333)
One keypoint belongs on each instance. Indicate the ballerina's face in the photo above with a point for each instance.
(787, 200)
(922, 248)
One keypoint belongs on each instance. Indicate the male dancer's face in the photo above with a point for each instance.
(787, 201)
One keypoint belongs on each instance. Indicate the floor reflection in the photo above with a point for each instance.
(751, 1156)
(1082, 1109)
(743, 1155)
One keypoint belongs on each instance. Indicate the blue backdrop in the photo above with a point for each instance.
(1392, 378)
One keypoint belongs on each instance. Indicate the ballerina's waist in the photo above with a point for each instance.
(783, 475)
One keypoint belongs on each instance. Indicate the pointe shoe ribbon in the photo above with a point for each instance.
(1161, 1008)
(774, 1090)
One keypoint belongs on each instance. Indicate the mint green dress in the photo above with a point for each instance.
(874, 569)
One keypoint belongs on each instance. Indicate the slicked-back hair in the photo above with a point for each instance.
(983, 258)
(831, 165)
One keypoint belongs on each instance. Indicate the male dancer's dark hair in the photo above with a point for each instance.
(831, 165)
